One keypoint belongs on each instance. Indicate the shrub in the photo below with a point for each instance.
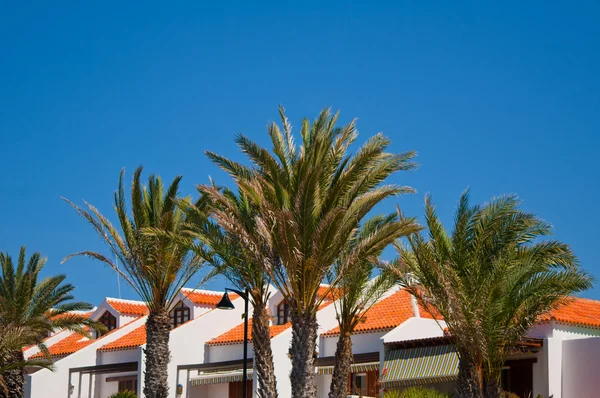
(124, 394)
(415, 392)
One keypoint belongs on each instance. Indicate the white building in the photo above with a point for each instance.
(397, 345)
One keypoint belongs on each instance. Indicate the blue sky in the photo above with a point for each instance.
(501, 98)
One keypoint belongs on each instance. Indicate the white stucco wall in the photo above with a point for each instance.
(361, 343)
(209, 391)
(47, 384)
(415, 329)
(187, 342)
(580, 364)
(323, 385)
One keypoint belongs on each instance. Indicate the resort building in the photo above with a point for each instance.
(397, 345)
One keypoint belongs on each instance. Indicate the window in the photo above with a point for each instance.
(179, 315)
(283, 313)
(128, 385)
(359, 384)
(108, 320)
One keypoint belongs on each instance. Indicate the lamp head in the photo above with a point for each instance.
(225, 303)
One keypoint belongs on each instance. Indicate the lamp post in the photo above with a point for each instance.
(226, 304)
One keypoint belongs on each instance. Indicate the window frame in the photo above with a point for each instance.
(179, 314)
(284, 313)
(109, 321)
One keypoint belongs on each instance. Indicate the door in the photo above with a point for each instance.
(235, 389)
(521, 379)
(517, 377)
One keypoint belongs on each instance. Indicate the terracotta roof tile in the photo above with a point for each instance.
(74, 342)
(203, 297)
(133, 339)
(85, 314)
(577, 311)
(236, 335)
(386, 314)
(128, 307)
(323, 289)
(70, 344)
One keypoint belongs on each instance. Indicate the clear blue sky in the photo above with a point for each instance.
(503, 97)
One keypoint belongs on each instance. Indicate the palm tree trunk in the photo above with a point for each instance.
(157, 355)
(491, 381)
(341, 369)
(14, 379)
(469, 383)
(263, 355)
(492, 389)
(302, 351)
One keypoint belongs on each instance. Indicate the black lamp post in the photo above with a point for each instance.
(226, 304)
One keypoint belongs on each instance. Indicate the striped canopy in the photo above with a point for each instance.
(227, 376)
(420, 365)
(354, 368)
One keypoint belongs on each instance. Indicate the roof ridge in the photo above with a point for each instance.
(127, 301)
(205, 291)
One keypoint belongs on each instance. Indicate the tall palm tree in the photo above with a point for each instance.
(310, 199)
(356, 292)
(491, 279)
(29, 310)
(240, 266)
(155, 266)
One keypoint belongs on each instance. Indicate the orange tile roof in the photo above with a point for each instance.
(203, 297)
(236, 335)
(386, 314)
(323, 289)
(576, 311)
(82, 314)
(133, 339)
(128, 307)
(70, 344)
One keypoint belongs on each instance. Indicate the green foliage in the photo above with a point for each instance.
(356, 291)
(124, 394)
(415, 392)
(31, 308)
(310, 199)
(156, 266)
(223, 249)
(491, 278)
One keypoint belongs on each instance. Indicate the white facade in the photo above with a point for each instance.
(564, 367)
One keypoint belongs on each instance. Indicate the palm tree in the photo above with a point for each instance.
(12, 339)
(491, 279)
(29, 310)
(310, 199)
(155, 266)
(241, 267)
(356, 292)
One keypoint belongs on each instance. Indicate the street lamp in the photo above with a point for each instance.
(226, 304)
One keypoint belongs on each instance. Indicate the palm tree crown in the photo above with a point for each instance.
(31, 309)
(491, 279)
(230, 258)
(310, 199)
(155, 265)
(356, 291)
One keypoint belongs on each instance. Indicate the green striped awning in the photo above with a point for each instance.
(225, 376)
(420, 365)
(354, 368)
